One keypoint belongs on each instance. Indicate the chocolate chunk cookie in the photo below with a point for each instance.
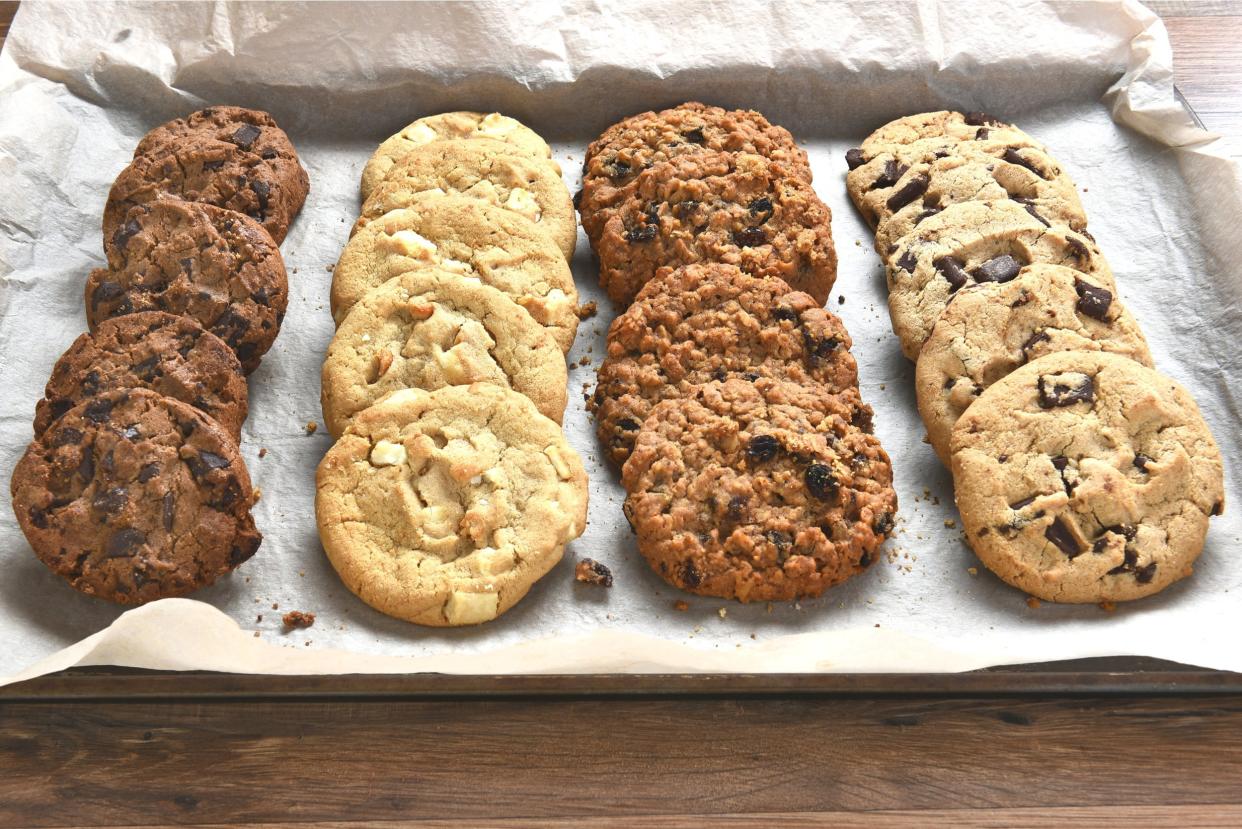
(945, 126)
(712, 322)
(167, 354)
(978, 241)
(737, 208)
(758, 491)
(1086, 477)
(895, 195)
(470, 237)
(213, 265)
(131, 497)
(989, 330)
(444, 507)
(615, 159)
(449, 126)
(491, 171)
(268, 185)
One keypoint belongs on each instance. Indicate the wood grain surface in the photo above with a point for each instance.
(852, 757)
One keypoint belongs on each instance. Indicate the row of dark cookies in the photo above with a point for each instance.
(1081, 474)
(134, 488)
(451, 489)
(728, 392)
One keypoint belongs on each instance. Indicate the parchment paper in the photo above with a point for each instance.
(81, 82)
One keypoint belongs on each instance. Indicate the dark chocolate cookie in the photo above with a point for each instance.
(131, 497)
(200, 261)
(251, 130)
(223, 173)
(758, 491)
(738, 208)
(711, 322)
(168, 354)
(614, 160)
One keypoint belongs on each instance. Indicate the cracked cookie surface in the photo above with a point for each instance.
(757, 491)
(484, 169)
(711, 322)
(1086, 477)
(444, 507)
(469, 237)
(736, 208)
(448, 126)
(427, 329)
(132, 497)
(215, 266)
(989, 330)
(976, 242)
(615, 159)
(171, 355)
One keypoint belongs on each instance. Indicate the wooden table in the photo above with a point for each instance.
(238, 752)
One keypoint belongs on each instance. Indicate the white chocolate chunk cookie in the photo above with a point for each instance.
(989, 330)
(429, 328)
(443, 508)
(1086, 477)
(472, 239)
(977, 241)
(449, 126)
(485, 169)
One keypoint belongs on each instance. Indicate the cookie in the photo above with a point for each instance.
(167, 354)
(131, 496)
(615, 159)
(712, 322)
(981, 241)
(448, 126)
(989, 330)
(427, 329)
(1086, 477)
(221, 173)
(444, 507)
(466, 236)
(737, 208)
(757, 491)
(484, 169)
(924, 128)
(250, 130)
(213, 265)
(894, 196)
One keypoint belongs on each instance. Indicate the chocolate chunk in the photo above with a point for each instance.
(762, 448)
(1032, 341)
(820, 481)
(1030, 208)
(263, 191)
(1011, 155)
(86, 466)
(750, 237)
(1144, 574)
(124, 543)
(213, 166)
(1218, 508)
(908, 261)
(245, 136)
(982, 119)
(1065, 389)
(1141, 461)
(982, 134)
(169, 503)
(641, 233)
(892, 173)
(1023, 503)
(913, 189)
(205, 462)
(99, 411)
(927, 214)
(111, 501)
(951, 270)
(1079, 251)
(1000, 269)
(148, 471)
(1062, 536)
(854, 158)
(106, 291)
(695, 136)
(1128, 563)
(1093, 301)
(124, 233)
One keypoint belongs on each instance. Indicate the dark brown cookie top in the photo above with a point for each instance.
(168, 354)
(737, 208)
(250, 130)
(220, 173)
(213, 265)
(615, 159)
(758, 491)
(132, 497)
(711, 322)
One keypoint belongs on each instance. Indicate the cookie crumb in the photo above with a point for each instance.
(585, 312)
(262, 451)
(259, 618)
(311, 427)
(331, 267)
(584, 361)
(723, 612)
(681, 605)
(275, 606)
(950, 523)
(590, 571)
(296, 619)
(256, 634)
(1108, 607)
(840, 299)
(974, 571)
(258, 493)
(1032, 602)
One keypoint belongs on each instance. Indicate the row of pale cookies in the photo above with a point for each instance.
(1081, 473)
(451, 488)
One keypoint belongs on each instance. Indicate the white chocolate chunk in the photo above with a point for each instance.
(521, 201)
(496, 124)
(456, 266)
(558, 462)
(411, 244)
(419, 133)
(387, 453)
(471, 608)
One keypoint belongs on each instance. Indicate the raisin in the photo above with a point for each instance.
(820, 481)
(750, 237)
(762, 448)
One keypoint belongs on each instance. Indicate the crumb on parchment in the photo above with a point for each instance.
(311, 427)
(297, 620)
(590, 571)
(585, 312)
(681, 605)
